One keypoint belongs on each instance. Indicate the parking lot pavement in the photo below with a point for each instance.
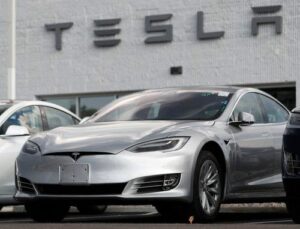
(231, 216)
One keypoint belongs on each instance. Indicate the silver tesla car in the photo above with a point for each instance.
(184, 150)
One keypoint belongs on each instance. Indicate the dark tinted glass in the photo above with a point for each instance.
(89, 105)
(274, 112)
(68, 103)
(166, 105)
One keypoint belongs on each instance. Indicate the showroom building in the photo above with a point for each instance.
(83, 54)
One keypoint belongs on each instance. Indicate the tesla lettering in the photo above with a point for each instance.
(158, 24)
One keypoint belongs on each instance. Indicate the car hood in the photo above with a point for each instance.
(108, 137)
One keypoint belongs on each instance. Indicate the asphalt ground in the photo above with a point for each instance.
(131, 217)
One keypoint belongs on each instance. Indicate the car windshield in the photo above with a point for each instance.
(166, 105)
(3, 108)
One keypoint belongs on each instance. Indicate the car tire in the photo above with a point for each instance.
(208, 187)
(91, 209)
(49, 213)
(205, 185)
(293, 206)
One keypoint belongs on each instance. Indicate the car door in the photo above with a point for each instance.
(10, 146)
(276, 117)
(253, 152)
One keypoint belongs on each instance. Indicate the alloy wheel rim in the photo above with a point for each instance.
(209, 187)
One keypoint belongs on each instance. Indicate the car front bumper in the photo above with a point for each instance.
(125, 171)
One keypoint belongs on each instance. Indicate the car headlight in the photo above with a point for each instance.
(31, 148)
(163, 145)
(294, 119)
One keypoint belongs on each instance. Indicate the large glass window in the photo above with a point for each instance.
(68, 103)
(29, 117)
(56, 118)
(89, 105)
(166, 105)
(274, 113)
(249, 103)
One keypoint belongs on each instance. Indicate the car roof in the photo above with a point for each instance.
(231, 89)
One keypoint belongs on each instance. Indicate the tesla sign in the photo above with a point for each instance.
(107, 31)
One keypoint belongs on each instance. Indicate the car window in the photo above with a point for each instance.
(166, 105)
(274, 112)
(249, 103)
(56, 118)
(29, 117)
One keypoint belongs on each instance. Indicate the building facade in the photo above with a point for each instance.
(83, 54)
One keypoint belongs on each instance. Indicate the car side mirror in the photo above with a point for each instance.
(84, 120)
(244, 119)
(14, 130)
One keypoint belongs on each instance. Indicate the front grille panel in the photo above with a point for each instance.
(25, 185)
(99, 189)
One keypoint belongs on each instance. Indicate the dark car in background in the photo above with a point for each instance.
(291, 164)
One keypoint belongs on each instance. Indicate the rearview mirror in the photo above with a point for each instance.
(14, 130)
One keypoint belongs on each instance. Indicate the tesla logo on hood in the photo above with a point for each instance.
(75, 156)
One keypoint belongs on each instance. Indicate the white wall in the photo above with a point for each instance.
(238, 58)
(3, 47)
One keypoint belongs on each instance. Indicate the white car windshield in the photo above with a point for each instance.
(166, 105)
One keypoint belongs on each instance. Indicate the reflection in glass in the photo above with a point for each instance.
(68, 103)
(89, 105)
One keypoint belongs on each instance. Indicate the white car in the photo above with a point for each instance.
(19, 120)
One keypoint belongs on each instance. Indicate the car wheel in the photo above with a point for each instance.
(91, 209)
(41, 212)
(208, 187)
(293, 206)
(174, 212)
